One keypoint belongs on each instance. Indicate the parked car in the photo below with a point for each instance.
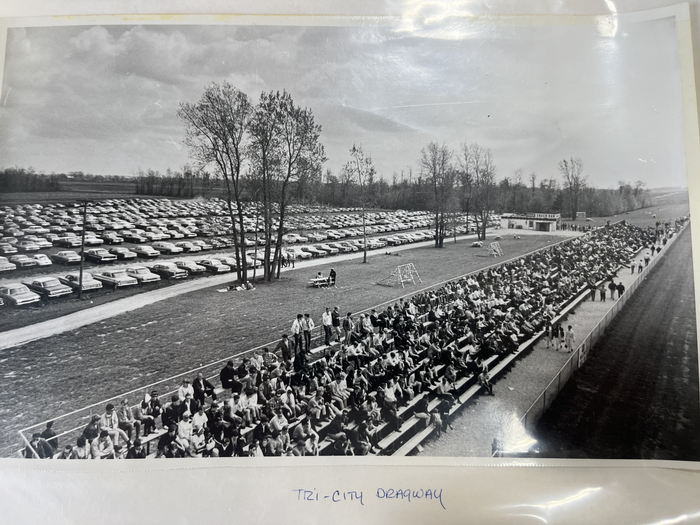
(349, 246)
(16, 294)
(132, 236)
(327, 248)
(65, 257)
(188, 246)
(315, 252)
(70, 241)
(203, 245)
(7, 249)
(73, 280)
(112, 238)
(49, 287)
(5, 265)
(340, 247)
(116, 278)
(146, 251)
(142, 274)
(41, 259)
(123, 253)
(169, 270)
(28, 246)
(317, 236)
(375, 244)
(167, 247)
(39, 241)
(214, 266)
(298, 253)
(23, 261)
(100, 255)
(294, 238)
(92, 240)
(190, 266)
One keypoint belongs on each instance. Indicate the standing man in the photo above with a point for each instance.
(331, 277)
(327, 322)
(297, 332)
(348, 326)
(285, 349)
(307, 325)
(335, 317)
(569, 338)
(613, 288)
(620, 289)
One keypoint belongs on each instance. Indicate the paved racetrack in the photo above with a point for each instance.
(637, 394)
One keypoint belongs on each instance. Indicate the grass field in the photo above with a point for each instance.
(64, 372)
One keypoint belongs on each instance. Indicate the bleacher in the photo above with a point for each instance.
(412, 432)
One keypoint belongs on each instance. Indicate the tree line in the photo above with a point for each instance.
(270, 152)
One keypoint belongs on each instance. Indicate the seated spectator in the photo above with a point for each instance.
(81, 450)
(202, 389)
(136, 451)
(38, 447)
(185, 388)
(109, 421)
(103, 447)
(127, 422)
(142, 414)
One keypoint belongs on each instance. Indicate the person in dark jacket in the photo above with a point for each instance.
(227, 376)
(137, 451)
(202, 389)
(39, 444)
(173, 412)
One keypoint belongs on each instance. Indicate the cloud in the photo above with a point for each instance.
(104, 98)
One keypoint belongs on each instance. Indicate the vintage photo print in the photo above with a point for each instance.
(347, 237)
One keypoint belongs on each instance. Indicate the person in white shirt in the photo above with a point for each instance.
(296, 332)
(109, 421)
(327, 322)
(184, 430)
(185, 389)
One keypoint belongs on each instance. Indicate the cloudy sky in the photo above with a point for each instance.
(103, 99)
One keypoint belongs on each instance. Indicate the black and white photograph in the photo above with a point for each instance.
(460, 238)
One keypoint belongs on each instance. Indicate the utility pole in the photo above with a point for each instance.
(82, 251)
(364, 228)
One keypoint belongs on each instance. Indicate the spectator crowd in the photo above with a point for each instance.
(342, 396)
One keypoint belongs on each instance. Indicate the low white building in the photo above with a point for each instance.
(541, 222)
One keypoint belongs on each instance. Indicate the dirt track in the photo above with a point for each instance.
(637, 394)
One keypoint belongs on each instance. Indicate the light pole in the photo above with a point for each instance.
(82, 252)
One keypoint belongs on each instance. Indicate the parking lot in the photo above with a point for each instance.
(148, 243)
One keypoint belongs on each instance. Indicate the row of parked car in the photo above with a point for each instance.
(47, 288)
(36, 289)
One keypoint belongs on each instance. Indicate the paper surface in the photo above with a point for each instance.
(380, 490)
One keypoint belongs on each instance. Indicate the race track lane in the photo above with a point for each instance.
(637, 394)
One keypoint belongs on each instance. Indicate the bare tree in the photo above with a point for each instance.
(215, 132)
(477, 161)
(435, 163)
(574, 181)
(466, 177)
(360, 170)
(285, 147)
